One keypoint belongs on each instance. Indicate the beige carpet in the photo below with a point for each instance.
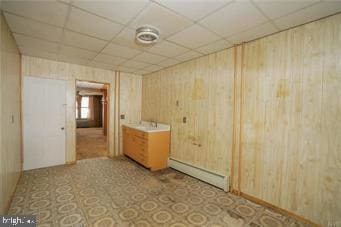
(90, 143)
(119, 192)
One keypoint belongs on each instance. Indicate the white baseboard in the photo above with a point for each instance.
(215, 179)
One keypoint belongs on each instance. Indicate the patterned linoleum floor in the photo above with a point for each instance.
(119, 192)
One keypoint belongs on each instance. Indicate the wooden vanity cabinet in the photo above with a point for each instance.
(150, 149)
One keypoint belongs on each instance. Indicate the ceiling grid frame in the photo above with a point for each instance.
(167, 59)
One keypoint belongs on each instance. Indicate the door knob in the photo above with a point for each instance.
(62, 128)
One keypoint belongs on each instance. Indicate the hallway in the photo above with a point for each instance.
(91, 143)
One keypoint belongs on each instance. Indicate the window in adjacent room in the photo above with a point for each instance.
(85, 107)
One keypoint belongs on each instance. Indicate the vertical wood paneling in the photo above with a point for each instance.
(291, 149)
(290, 117)
(236, 118)
(202, 91)
(130, 100)
(58, 70)
(117, 115)
(10, 115)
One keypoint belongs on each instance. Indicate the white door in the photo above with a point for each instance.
(44, 122)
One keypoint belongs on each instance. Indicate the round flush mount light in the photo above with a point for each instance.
(147, 35)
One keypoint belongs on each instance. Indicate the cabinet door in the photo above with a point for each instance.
(135, 145)
(128, 143)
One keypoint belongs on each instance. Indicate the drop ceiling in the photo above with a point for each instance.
(102, 33)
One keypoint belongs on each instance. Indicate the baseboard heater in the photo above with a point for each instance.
(215, 179)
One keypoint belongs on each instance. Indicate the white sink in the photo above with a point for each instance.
(149, 127)
(146, 128)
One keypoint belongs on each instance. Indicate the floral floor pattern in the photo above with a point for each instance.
(119, 192)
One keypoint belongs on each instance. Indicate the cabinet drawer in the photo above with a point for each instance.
(143, 155)
(143, 160)
(141, 134)
(134, 132)
(142, 150)
(140, 141)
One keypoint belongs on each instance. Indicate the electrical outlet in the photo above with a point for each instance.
(123, 116)
(184, 120)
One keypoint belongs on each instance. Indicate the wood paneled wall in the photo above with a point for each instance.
(130, 100)
(291, 120)
(201, 91)
(276, 105)
(32, 66)
(10, 115)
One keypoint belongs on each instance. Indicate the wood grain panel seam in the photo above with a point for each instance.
(118, 111)
(234, 116)
(115, 114)
(21, 117)
(241, 118)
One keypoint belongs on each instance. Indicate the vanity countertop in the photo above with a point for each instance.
(146, 126)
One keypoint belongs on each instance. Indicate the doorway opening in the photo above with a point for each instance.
(91, 119)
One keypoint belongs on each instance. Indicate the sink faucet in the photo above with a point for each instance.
(154, 123)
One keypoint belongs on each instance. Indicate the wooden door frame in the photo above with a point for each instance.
(108, 114)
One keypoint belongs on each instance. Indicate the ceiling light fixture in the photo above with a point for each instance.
(147, 35)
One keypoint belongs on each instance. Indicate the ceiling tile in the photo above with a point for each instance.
(233, 18)
(100, 65)
(188, 55)
(194, 37)
(66, 1)
(119, 11)
(126, 69)
(141, 71)
(149, 58)
(167, 49)
(135, 64)
(120, 51)
(38, 44)
(76, 52)
(166, 21)
(127, 38)
(73, 60)
(193, 9)
(214, 47)
(253, 33)
(51, 12)
(308, 14)
(169, 62)
(90, 24)
(83, 41)
(108, 59)
(277, 8)
(33, 28)
(152, 68)
(37, 53)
